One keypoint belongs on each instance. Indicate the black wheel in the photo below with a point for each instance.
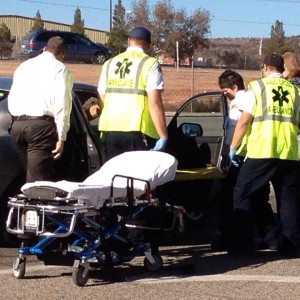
(80, 275)
(8, 239)
(99, 58)
(19, 268)
(156, 266)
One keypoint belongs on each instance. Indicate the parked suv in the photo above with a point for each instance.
(79, 47)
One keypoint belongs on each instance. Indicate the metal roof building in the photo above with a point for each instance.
(19, 26)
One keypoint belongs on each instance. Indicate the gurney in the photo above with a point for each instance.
(90, 220)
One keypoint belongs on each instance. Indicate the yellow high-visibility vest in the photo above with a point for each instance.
(242, 149)
(275, 124)
(126, 103)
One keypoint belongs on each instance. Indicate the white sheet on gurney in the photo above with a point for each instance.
(154, 167)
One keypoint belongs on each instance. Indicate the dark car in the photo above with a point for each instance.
(79, 47)
(195, 139)
(83, 152)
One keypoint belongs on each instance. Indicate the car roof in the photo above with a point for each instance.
(6, 82)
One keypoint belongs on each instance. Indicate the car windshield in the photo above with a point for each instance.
(27, 36)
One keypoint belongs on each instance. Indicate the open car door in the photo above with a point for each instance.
(196, 134)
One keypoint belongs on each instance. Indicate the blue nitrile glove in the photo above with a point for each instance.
(232, 156)
(160, 144)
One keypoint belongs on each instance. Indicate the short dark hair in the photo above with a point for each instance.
(56, 45)
(141, 33)
(229, 78)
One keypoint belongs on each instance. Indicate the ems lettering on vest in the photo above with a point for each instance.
(118, 82)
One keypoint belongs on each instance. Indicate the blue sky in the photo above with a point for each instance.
(229, 18)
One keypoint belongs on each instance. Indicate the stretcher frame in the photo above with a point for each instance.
(76, 209)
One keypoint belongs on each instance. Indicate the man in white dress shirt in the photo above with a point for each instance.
(40, 102)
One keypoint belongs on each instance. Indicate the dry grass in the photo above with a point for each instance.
(180, 84)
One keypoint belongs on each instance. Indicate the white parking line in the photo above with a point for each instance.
(32, 268)
(222, 277)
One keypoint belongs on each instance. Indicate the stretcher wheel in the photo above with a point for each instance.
(80, 275)
(19, 267)
(156, 266)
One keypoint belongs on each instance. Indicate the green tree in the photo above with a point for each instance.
(230, 59)
(189, 31)
(6, 41)
(38, 22)
(117, 37)
(78, 25)
(169, 26)
(276, 43)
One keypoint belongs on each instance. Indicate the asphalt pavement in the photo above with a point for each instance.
(190, 271)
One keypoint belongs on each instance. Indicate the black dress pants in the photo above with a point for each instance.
(36, 139)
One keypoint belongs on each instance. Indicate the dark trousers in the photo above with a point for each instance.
(119, 142)
(265, 220)
(36, 139)
(253, 175)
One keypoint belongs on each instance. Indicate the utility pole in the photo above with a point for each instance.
(110, 15)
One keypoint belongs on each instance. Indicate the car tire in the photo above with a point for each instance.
(99, 58)
(8, 239)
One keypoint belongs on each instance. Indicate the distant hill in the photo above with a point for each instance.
(242, 53)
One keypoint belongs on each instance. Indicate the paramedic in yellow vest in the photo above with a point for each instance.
(233, 88)
(130, 89)
(272, 154)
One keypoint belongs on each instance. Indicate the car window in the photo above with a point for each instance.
(26, 37)
(87, 99)
(44, 36)
(82, 40)
(207, 110)
(70, 38)
(203, 114)
(3, 95)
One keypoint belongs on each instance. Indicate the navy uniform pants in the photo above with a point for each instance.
(253, 175)
(119, 142)
(264, 216)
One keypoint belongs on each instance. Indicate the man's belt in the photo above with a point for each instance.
(28, 118)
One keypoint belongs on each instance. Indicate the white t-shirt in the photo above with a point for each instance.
(234, 114)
